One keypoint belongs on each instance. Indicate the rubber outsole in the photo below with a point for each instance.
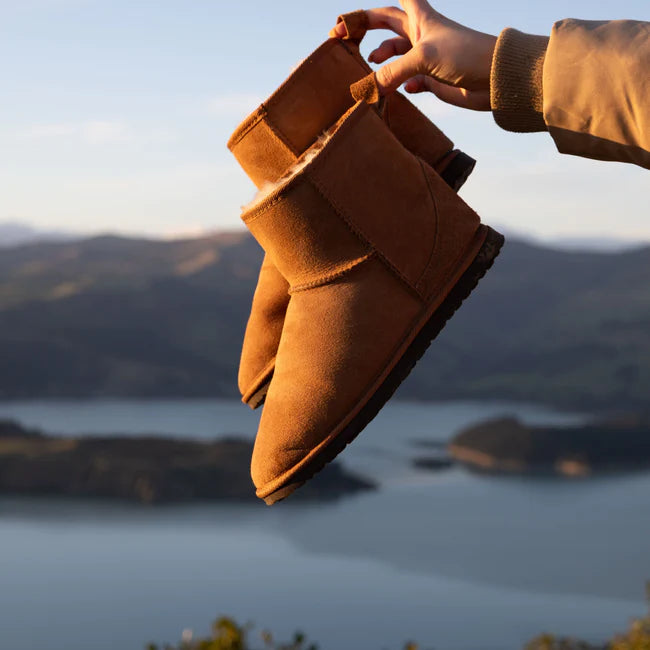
(257, 398)
(462, 289)
(455, 175)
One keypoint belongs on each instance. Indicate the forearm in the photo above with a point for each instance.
(588, 85)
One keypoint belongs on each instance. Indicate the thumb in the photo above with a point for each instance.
(391, 76)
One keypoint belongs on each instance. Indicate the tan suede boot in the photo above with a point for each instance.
(270, 140)
(379, 252)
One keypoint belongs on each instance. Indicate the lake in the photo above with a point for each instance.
(450, 559)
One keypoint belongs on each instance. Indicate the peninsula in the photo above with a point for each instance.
(507, 446)
(147, 469)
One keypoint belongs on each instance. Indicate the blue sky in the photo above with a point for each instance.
(114, 116)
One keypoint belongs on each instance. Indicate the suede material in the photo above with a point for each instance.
(366, 90)
(315, 96)
(384, 210)
(264, 327)
(312, 99)
(405, 121)
(356, 25)
(304, 245)
(333, 345)
(263, 153)
(271, 139)
(355, 303)
(456, 225)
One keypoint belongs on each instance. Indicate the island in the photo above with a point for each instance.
(146, 469)
(506, 445)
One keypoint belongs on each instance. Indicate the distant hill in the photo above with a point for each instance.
(117, 316)
(507, 446)
(15, 233)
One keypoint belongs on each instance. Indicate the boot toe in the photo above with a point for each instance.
(337, 341)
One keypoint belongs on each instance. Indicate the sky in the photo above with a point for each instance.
(114, 116)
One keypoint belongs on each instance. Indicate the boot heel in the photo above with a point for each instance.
(456, 168)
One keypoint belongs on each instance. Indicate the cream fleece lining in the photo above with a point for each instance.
(268, 188)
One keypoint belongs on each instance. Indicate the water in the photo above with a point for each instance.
(450, 559)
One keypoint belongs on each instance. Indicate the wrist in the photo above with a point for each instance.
(488, 48)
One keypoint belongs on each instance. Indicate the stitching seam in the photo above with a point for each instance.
(436, 227)
(296, 78)
(333, 275)
(263, 208)
(275, 129)
(319, 161)
(255, 119)
(360, 233)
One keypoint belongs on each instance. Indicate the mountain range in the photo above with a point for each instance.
(135, 317)
(15, 233)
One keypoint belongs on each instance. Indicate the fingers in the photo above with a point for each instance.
(394, 74)
(389, 18)
(390, 48)
(476, 100)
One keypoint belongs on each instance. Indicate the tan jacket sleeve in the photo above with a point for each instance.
(588, 85)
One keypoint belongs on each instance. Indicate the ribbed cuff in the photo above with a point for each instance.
(516, 81)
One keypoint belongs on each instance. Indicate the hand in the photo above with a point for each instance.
(435, 54)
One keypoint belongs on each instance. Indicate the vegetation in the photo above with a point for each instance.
(637, 637)
(127, 317)
(228, 635)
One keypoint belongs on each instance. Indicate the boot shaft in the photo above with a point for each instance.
(359, 194)
(313, 98)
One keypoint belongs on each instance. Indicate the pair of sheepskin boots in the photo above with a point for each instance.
(369, 251)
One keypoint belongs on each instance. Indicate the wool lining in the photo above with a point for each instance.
(269, 187)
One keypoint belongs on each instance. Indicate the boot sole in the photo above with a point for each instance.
(458, 170)
(455, 175)
(402, 368)
(257, 399)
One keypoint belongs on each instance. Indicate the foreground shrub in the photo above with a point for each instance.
(229, 635)
(636, 638)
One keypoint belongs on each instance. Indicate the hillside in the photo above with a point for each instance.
(117, 316)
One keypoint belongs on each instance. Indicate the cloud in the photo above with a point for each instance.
(42, 131)
(93, 132)
(98, 132)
